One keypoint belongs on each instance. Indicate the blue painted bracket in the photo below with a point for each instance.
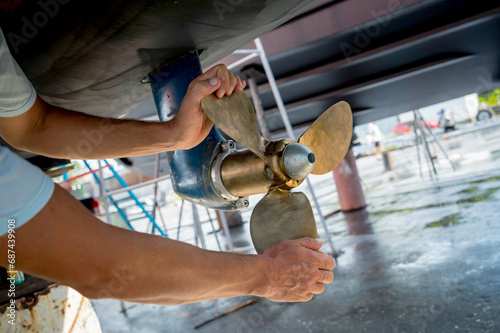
(171, 81)
(190, 169)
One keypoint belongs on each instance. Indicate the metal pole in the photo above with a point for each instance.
(155, 205)
(155, 194)
(257, 103)
(180, 219)
(101, 183)
(428, 156)
(199, 231)
(162, 219)
(197, 226)
(436, 140)
(157, 174)
(274, 88)
(133, 187)
(102, 191)
(417, 141)
(284, 116)
(226, 231)
(123, 308)
(213, 229)
(322, 218)
(243, 60)
(426, 144)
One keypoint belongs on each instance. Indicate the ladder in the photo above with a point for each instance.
(130, 196)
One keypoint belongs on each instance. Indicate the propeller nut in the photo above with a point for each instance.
(298, 160)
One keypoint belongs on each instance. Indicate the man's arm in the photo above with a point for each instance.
(67, 244)
(55, 132)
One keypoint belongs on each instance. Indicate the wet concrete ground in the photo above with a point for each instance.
(426, 258)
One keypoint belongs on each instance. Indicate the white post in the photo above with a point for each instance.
(102, 192)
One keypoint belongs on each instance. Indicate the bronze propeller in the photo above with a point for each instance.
(276, 167)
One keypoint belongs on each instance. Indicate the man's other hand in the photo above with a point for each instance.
(191, 125)
(297, 271)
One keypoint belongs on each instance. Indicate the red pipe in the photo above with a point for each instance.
(83, 174)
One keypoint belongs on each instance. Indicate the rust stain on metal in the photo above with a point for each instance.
(62, 309)
(77, 315)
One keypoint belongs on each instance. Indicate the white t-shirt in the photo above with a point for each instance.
(24, 188)
(17, 95)
(375, 132)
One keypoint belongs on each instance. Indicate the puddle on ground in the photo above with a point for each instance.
(468, 191)
(446, 221)
(451, 197)
(479, 197)
(470, 195)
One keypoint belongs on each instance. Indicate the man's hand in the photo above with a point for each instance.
(191, 125)
(297, 271)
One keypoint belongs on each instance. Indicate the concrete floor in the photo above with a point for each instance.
(425, 259)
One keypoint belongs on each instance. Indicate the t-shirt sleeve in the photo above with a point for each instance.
(24, 190)
(17, 94)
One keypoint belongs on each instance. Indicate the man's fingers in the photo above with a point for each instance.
(228, 81)
(239, 85)
(307, 297)
(223, 74)
(326, 277)
(214, 81)
(318, 288)
(233, 81)
(212, 72)
(219, 72)
(310, 243)
(325, 261)
(200, 88)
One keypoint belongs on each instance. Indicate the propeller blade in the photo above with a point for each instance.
(235, 116)
(281, 215)
(329, 137)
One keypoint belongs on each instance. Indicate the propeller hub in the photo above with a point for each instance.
(298, 160)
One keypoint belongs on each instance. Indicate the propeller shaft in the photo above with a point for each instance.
(285, 164)
(243, 173)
